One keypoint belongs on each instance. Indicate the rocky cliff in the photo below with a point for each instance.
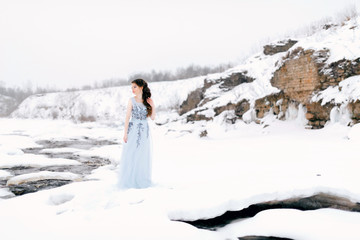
(288, 74)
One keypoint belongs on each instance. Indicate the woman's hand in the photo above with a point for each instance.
(151, 102)
(125, 138)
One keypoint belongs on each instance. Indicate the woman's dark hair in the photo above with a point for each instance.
(145, 93)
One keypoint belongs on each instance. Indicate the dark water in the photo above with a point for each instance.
(88, 163)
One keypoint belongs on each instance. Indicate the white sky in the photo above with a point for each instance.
(71, 43)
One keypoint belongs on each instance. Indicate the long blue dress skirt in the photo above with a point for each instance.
(136, 157)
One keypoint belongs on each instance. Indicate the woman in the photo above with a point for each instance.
(136, 158)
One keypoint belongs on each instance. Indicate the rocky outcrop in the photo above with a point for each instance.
(304, 73)
(35, 186)
(354, 108)
(318, 115)
(197, 116)
(278, 102)
(239, 108)
(333, 74)
(234, 79)
(299, 76)
(192, 101)
(197, 97)
(282, 46)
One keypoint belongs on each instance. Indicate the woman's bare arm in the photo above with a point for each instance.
(127, 119)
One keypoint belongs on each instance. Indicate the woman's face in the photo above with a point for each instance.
(136, 89)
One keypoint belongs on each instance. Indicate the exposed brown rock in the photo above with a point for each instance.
(196, 98)
(279, 102)
(197, 117)
(192, 101)
(305, 72)
(354, 108)
(333, 74)
(298, 77)
(279, 47)
(203, 133)
(318, 115)
(235, 79)
(239, 108)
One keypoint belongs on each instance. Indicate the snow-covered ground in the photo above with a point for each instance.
(194, 178)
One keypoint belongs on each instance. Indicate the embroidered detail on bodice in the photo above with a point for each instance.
(139, 110)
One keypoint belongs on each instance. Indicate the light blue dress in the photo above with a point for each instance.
(136, 158)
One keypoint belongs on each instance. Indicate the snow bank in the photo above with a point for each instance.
(43, 175)
(295, 224)
(354, 133)
(341, 40)
(10, 144)
(32, 160)
(347, 91)
(11, 150)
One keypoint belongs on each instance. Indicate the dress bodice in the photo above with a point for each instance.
(139, 111)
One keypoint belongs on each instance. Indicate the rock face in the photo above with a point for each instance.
(354, 108)
(302, 74)
(197, 97)
(282, 46)
(317, 114)
(235, 79)
(338, 71)
(298, 77)
(278, 102)
(239, 108)
(192, 101)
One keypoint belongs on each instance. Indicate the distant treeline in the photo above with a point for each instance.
(159, 76)
(19, 94)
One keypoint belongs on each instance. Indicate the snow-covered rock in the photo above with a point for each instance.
(43, 175)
